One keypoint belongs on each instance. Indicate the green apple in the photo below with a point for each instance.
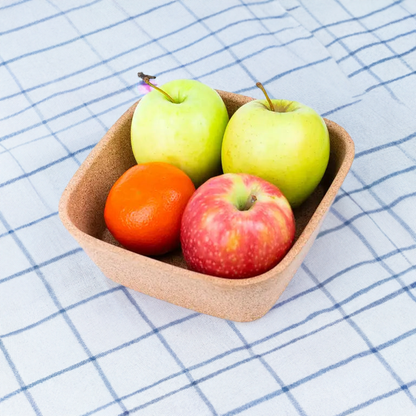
(181, 123)
(281, 141)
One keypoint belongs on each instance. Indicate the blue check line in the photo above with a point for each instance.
(225, 47)
(45, 19)
(60, 312)
(282, 74)
(41, 199)
(268, 368)
(382, 204)
(244, 361)
(151, 42)
(72, 154)
(389, 58)
(18, 377)
(371, 211)
(170, 351)
(345, 46)
(165, 396)
(84, 120)
(127, 344)
(385, 146)
(280, 304)
(378, 398)
(376, 182)
(77, 123)
(80, 71)
(138, 65)
(355, 295)
(370, 45)
(47, 166)
(35, 383)
(36, 110)
(258, 52)
(122, 104)
(96, 53)
(361, 333)
(372, 250)
(14, 4)
(40, 265)
(29, 224)
(67, 42)
(229, 50)
(385, 43)
(340, 108)
(65, 316)
(30, 269)
(116, 56)
(63, 92)
(156, 39)
(122, 90)
(369, 30)
(354, 19)
(319, 373)
(97, 357)
(71, 110)
(404, 9)
(371, 305)
(169, 53)
(391, 212)
(258, 20)
(96, 118)
(346, 270)
(114, 93)
(170, 377)
(390, 81)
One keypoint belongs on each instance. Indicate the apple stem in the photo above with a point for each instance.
(147, 78)
(250, 202)
(260, 85)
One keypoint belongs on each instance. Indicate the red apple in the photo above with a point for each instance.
(236, 226)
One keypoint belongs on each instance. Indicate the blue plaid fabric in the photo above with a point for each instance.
(342, 338)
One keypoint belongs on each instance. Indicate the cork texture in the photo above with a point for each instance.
(81, 210)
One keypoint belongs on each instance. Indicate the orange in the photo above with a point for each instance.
(144, 208)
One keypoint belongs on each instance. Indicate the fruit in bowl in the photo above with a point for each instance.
(236, 226)
(281, 141)
(144, 207)
(166, 278)
(181, 123)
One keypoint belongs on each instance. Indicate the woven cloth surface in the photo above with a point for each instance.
(342, 337)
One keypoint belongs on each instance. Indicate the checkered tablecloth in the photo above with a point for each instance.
(342, 338)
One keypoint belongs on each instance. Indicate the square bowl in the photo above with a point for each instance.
(81, 210)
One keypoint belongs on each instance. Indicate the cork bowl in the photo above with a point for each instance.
(81, 210)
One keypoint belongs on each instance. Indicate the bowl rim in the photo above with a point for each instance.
(302, 240)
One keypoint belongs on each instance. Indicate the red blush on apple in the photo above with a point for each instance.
(236, 226)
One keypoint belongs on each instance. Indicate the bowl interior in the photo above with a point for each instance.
(113, 156)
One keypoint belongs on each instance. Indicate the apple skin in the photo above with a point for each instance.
(288, 147)
(187, 134)
(221, 237)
